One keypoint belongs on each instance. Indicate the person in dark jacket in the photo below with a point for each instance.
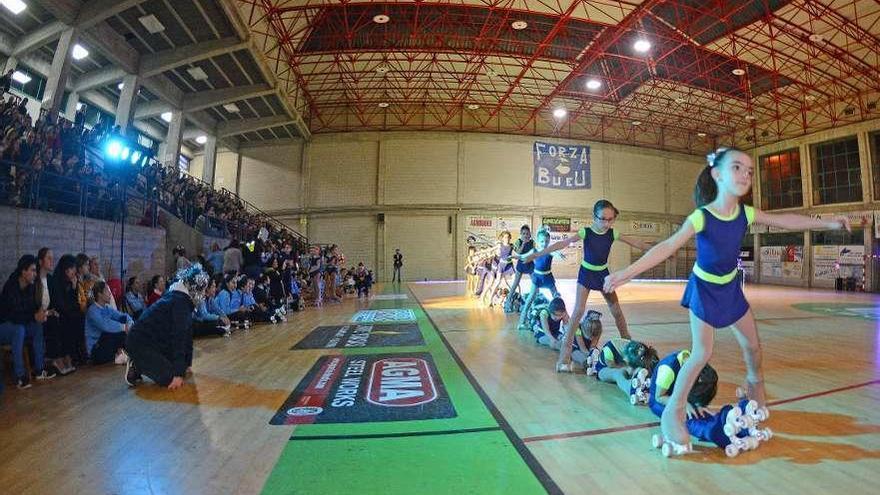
(65, 326)
(158, 343)
(22, 318)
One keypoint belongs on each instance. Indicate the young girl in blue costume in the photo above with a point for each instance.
(505, 266)
(542, 276)
(713, 294)
(523, 246)
(734, 428)
(597, 238)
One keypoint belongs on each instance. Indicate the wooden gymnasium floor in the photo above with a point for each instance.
(518, 427)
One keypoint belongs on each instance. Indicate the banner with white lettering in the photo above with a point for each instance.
(359, 336)
(366, 389)
(561, 166)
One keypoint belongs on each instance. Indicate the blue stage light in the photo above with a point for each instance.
(135, 156)
(125, 152)
(114, 148)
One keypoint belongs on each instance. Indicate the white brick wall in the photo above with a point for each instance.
(342, 172)
(26, 231)
(419, 171)
(270, 176)
(426, 245)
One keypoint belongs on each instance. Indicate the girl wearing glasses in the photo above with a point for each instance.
(597, 239)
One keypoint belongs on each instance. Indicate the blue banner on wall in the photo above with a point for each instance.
(561, 166)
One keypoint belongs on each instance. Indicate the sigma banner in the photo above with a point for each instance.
(561, 166)
(366, 389)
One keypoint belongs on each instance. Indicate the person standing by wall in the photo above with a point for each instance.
(398, 265)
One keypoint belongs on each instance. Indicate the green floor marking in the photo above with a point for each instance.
(465, 462)
(479, 463)
(850, 310)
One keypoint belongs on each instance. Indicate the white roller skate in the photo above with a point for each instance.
(641, 385)
(565, 367)
(738, 445)
(246, 324)
(669, 449)
(737, 422)
(592, 361)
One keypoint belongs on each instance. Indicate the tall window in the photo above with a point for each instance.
(837, 177)
(781, 180)
(874, 143)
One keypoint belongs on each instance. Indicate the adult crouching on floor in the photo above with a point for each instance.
(158, 342)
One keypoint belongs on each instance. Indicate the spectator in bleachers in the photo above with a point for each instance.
(206, 319)
(106, 328)
(21, 320)
(232, 258)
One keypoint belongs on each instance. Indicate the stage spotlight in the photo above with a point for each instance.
(114, 148)
(135, 156)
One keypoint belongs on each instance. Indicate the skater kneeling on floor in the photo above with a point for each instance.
(158, 342)
(548, 329)
(735, 427)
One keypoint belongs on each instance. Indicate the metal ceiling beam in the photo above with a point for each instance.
(597, 50)
(235, 127)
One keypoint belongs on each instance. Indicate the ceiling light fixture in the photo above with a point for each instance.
(594, 84)
(151, 24)
(560, 113)
(519, 25)
(381, 19)
(202, 139)
(642, 46)
(738, 72)
(473, 106)
(14, 6)
(384, 104)
(166, 116)
(21, 77)
(79, 52)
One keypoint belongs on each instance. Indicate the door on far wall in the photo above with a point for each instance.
(426, 244)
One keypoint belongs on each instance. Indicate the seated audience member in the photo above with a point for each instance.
(134, 299)
(155, 289)
(21, 319)
(106, 328)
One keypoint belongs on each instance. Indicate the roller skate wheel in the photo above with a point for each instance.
(633, 400)
(763, 434)
(635, 383)
(752, 442)
(730, 430)
(761, 414)
(642, 375)
(740, 392)
(731, 450)
(666, 450)
(563, 368)
(656, 441)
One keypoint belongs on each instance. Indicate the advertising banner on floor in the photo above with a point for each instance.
(359, 336)
(561, 166)
(383, 315)
(367, 389)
